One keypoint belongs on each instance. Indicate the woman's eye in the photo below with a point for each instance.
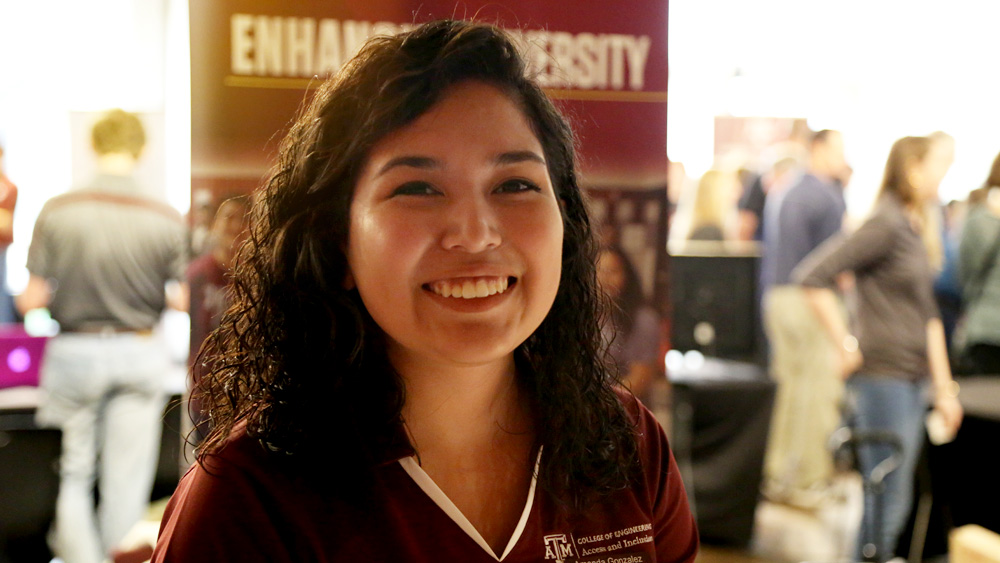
(517, 186)
(415, 188)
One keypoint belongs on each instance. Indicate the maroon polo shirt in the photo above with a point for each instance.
(245, 506)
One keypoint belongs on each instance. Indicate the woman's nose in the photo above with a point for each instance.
(472, 226)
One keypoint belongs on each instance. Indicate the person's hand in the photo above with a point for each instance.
(850, 362)
(950, 410)
(850, 357)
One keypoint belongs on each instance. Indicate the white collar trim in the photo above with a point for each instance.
(424, 481)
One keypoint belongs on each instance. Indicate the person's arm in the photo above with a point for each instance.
(970, 251)
(820, 271)
(36, 295)
(177, 291)
(8, 200)
(823, 302)
(6, 224)
(747, 225)
(872, 242)
(178, 295)
(945, 388)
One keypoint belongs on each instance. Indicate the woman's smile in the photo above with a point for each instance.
(471, 288)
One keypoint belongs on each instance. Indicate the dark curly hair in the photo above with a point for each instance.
(299, 358)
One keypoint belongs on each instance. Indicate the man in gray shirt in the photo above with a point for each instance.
(100, 258)
(797, 466)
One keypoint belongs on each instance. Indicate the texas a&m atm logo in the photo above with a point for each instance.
(558, 547)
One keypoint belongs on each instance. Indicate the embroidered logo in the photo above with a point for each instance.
(558, 547)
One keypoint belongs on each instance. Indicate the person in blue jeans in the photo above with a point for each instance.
(899, 351)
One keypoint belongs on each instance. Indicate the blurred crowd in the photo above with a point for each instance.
(866, 319)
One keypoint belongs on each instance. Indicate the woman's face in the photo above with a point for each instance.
(455, 241)
(921, 176)
(934, 166)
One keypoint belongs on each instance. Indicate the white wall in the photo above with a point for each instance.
(65, 57)
(876, 70)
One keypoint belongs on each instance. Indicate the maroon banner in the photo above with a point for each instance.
(254, 62)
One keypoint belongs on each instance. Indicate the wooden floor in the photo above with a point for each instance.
(783, 534)
(710, 554)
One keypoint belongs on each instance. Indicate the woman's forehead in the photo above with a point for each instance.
(472, 104)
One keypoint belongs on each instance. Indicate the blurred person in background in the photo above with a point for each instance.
(798, 468)
(783, 173)
(677, 181)
(202, 214)
(947, 288)
(899, 346)
(633, 328)
(979, 252)
(100, 259)
(751, 209)
(714, 206)
(8, 199)
(208, 279)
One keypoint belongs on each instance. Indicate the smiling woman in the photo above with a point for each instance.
(413, 368)
(476, 207)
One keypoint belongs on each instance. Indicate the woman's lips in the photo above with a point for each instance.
(471, 287)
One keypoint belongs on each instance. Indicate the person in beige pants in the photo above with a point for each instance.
(798, 465)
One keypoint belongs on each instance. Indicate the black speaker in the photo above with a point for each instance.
(714, 305)
(29, 484)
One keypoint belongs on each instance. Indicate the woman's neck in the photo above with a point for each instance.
(455, 408)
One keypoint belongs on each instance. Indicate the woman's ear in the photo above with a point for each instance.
(348, 282)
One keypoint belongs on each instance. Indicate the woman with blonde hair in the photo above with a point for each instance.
(899, 344)
(714, 203)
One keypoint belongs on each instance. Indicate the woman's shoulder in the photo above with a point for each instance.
(239, 462)
(979, 217)
(653, 446)
(888, 208)
(223, 495)
(673, 528)
(237, 453)
(886, 219)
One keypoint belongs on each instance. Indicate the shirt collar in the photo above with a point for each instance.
(395, 446)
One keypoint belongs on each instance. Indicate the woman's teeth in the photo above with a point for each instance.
(470, 289)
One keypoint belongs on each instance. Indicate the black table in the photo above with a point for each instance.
(721, 414)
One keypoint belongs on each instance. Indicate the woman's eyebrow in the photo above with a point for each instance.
(410, 161)
(514, 157)
(426, 162)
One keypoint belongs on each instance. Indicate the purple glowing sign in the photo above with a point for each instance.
(19, 360)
